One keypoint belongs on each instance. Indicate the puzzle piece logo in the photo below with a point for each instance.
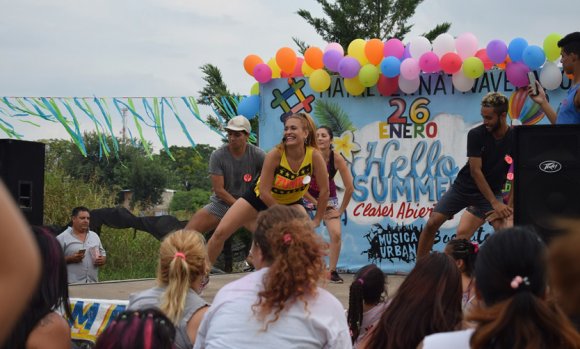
(293, 94)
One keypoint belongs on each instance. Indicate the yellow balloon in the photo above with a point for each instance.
(319, 80)
(551, 48)
(255, 90)
(473, 67)
(356, 49)
(368, 75)
(306, 69)
(275, 68)
(353, 86)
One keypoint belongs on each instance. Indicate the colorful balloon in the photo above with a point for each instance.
(466, 45)
(356, 49)
(461, 82)
(523, 108)
(286, 59)
(255, 90)
(550, 46)
(334, 46)
(331, 59)
(368, 75)
(429, 62)
(419, 46)
(391, 66)
(250, 63)
(393, 47)
(298, 67)
(348, 67)
(534, 57)
(319, 80)
(387, 86)
(443, 44)
(482, 54)
(410, 69)
(550, 76)
(451, 63)
(275, 68)
(262, 73)
(517, 74)
(472, 67)
(516, 49)
(353, 86)
(313, 57)
(497, 51)
(249, 106)
(306, 69)
(374, 51)
(408, 86)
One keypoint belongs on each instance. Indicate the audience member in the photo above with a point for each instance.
(285, 177)
(464, 252)
(428, 301)
(334, 163)
(279, 305)
(19, 264)
(138, 329)
(513, 313)
(41, 325)
(366, 301)
(83, 250)
(564, 267)
(182, 266)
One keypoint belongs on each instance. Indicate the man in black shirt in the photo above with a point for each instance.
(478, 185)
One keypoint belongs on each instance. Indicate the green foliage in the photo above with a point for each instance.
(189, 201)
(130, 254)
(331, 114)
(189, 170)
(347, 20)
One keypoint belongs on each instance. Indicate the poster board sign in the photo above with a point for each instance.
(90, 317)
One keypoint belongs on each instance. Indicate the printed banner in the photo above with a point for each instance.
(90, 317)
(404, 152)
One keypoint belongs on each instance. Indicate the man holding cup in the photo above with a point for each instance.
(83, 250)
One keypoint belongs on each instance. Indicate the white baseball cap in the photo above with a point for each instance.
(239, 123)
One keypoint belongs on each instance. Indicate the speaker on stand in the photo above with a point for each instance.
(546, 176)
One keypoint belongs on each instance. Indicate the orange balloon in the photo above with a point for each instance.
(313, 57)
(250, 63)
(286, 59)
(374, 51)
(504, 64)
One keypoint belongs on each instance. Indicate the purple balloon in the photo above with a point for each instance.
(406, 52)
(497, 51)
(348, 67)
(331, 59)
(517, 73)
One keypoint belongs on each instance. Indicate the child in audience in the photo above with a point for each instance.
(464, 252)
(428, 301)
(147, 328)
(513, 312)
(279, 305)
(365, 301)
(182, 266)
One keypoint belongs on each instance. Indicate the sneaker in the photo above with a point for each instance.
(335, 278)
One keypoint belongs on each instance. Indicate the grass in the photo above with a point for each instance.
(130, 254)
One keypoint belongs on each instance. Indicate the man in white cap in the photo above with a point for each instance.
(233, 168)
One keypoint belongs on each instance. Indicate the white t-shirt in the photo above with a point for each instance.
(85, 271)
(445, 340)
(231, 323)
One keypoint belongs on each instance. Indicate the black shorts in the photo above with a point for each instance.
(257, 203)
(454, 201)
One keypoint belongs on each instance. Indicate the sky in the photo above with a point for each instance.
(142, 48)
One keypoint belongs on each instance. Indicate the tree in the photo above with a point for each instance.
(367, 19)
(215, 93)
(189, 170)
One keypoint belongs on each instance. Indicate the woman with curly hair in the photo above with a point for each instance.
(279, 305)
(182, 267)
(285, 178)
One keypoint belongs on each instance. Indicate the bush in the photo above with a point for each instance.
(189, 201)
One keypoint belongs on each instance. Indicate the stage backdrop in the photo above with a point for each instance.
(403, 151)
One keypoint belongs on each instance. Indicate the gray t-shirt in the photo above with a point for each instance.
(152, 298)
(238, 173)
(85, 271)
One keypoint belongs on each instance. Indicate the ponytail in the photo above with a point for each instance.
(173, 299)
(355, 308)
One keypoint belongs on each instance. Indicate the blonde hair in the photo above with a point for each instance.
(182, 259)
(307, 124)
(294, 251)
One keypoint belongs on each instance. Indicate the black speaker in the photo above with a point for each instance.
(546, 176)
(22, 170)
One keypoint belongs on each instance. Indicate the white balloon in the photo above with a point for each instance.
(466, 45)
(419, 45)
(408, 86)
(443, 44)
(550, 76)
(462, 82)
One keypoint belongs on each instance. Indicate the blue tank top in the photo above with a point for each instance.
(567, 112)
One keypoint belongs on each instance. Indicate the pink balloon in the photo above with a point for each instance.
(262, 73)
(334, 46)
(387, 86)
(410, 69)
(466, 45)
(517, 73)
(429, 62)
(393, 47)
(482, 54)
(298, 68)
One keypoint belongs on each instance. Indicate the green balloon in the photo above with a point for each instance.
(473, 67)
(551, 48)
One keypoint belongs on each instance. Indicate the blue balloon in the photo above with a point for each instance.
(249, 106)
(391, 66)
(516, 49)
(534, 57)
